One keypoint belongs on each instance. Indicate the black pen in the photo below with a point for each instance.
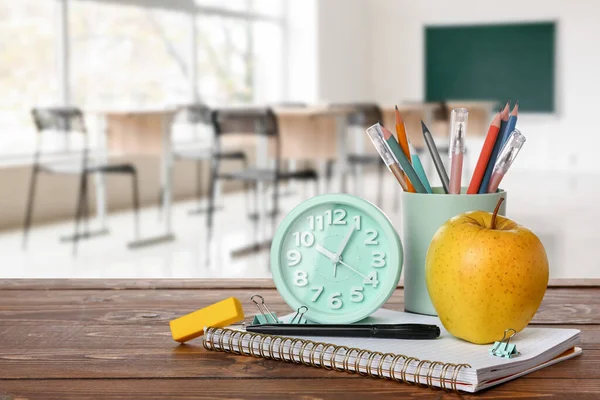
(381, 331)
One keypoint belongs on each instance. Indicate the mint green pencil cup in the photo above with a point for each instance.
(422, 216)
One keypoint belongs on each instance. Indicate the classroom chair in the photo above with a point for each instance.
(70, 121)
(252, 121)
(198, 146)
(363, 116)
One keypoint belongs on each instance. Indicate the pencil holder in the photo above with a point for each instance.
(422, 216)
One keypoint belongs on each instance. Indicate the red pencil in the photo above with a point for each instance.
(484, 157)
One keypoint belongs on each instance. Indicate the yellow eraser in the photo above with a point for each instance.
(218, 315)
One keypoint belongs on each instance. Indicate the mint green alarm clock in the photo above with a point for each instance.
(339, 256)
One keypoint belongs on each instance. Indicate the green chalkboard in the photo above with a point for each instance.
(492, 62)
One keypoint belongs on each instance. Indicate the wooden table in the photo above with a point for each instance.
(109, 339)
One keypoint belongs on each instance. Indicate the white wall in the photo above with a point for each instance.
(567, 140)
(301, 49)
(344, 73)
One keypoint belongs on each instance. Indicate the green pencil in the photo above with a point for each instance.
(402, 159)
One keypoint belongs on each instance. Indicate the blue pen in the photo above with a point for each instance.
(485, 182)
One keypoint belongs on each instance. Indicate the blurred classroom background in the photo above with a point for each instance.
(166, 139)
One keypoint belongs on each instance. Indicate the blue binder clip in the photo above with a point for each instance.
(299, 316)
(504, 348)
(265, 316)
(268, 317)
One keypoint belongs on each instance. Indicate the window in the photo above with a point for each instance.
(127, 56)
(240, 51)
(132, 54)
(27, 70)
(224, 61)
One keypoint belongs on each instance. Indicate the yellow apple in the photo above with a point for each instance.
(485, 274)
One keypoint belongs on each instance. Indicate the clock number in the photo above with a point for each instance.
(334, 301)
(357, 222)
(319, 290)
(338, 217)
(315, 222)
(301, 278)
(378, 259)
(372, 279)
(294, 257)
(356, 295)
(371, 236)
(328, 217)
(306, 239)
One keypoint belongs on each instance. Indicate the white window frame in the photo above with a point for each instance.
(193, 10)
(62, 47)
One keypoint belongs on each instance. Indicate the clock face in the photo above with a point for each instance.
(339, 256)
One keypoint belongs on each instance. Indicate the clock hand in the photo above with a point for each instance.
(352, 269)
(326, 253)
(332, 257)
(345, 241)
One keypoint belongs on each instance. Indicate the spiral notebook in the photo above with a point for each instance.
(445, 362)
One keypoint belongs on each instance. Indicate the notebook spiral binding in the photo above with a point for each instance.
(232, 341)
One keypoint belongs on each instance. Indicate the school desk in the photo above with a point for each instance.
(315, 133)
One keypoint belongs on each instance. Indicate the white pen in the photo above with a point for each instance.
(458, 130)
(507, 156)
(387, 156)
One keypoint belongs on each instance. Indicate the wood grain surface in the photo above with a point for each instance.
(110, 339)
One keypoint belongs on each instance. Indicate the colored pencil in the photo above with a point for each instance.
(510, 125)
(437, 161)
(376, 135)
(484, 156)
(418, 166)
(485, 182)
(403, 141)
(403, 160)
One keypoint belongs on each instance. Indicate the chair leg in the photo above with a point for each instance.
(247, 191)
(275, 204)
(199, 182)
(136, 204)
(353, 171)
(211, 204)
(30, 201)
(86, 210)
(328, 175)
(79, 209)
(380, 168)
(256, 220)
(160, 202)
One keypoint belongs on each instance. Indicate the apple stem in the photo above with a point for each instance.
(495, 214)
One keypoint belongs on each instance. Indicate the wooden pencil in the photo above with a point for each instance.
(403, 141)
(485, 182)
(403, 160)
(484, 156)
